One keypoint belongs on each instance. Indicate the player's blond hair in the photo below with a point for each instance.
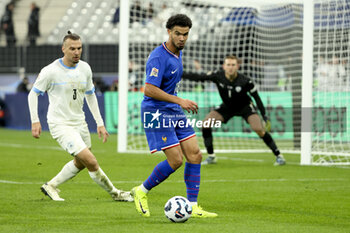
(233, 57)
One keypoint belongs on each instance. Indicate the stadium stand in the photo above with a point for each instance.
(50, 13)
(93, 18)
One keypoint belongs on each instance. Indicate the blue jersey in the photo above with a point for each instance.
(162, 120)
(164, 70)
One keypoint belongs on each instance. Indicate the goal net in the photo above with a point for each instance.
(268, 39)
(330, 135)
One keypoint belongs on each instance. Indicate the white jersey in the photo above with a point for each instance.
(66, 88)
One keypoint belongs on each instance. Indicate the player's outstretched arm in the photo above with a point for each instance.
(158, 94)
(197, 77)
(33, 109)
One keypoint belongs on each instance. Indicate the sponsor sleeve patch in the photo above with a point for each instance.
(154, 72)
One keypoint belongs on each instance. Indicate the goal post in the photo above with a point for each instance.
(330, 89)
(123, 76)
(281, 44)
(306, 114)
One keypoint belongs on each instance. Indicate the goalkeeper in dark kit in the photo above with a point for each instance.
(236, 91)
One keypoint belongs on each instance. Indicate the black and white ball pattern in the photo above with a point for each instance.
(178, 209)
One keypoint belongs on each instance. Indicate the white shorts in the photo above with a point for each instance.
(72, 139)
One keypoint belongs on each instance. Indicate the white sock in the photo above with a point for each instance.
(193, 203)
(211, 155)
(101, 179)
(144, 189)
(68, 171)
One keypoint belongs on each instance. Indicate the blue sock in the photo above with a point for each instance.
(158, 175)
(192, 178)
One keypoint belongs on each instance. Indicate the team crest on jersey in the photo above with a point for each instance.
(73, 85)
(238, 89)
(70, 145)
(154, 72)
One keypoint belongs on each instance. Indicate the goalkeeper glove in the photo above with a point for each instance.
(267, 123)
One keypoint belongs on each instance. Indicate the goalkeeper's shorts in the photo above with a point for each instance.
(228, 112)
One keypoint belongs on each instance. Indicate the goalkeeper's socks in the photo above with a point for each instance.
(208, 140)
(270, 143)
(160, 172)
(192, 178)
(68, 171)
(276, 152)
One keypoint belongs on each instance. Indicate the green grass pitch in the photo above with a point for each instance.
(246, 190)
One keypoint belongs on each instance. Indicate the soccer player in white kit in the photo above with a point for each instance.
(68, 81)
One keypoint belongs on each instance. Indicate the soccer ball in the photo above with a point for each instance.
(178, 209)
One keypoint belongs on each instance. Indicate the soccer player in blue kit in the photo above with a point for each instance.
(161, 104)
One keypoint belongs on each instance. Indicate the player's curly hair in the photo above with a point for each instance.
(71, 36)
(179, 20)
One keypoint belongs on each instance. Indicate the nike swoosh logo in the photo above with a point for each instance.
(173, 72)
(177, 212)
(143, 211)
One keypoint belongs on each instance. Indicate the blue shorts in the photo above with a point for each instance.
(165, 128)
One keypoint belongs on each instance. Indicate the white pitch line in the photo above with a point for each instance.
(57, 148)
(17, 182)
(252, 160)
(203, 181)
(241, 159)
(15, 145)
